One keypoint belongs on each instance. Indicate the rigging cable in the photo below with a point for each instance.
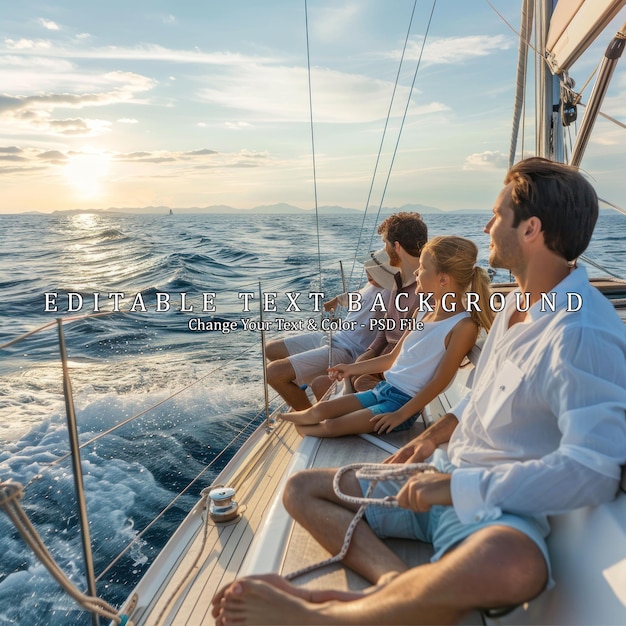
(317, 217)
(380, 148)
(406, 108)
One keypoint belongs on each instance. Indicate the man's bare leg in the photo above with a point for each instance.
(497, 566)
(310, 499)
(275, 350)
(281, 377)
(320, 386)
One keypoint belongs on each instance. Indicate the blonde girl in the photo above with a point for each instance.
(426, 358)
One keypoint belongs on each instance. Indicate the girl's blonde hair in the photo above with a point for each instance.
(456, 256)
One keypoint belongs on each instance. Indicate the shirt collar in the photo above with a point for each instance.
(573, 283)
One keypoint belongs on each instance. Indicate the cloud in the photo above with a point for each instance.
(11, 150)
(26, 45)
(203, 157)
(237, 125)
(30, 160)
(280, 93)
(143, 52)
(133, 156)
(127, 120)
(490, 159)
(54, 156)
(11, 157)
(164, 156)
(154, 171)
(79, 126)
(36, 112)
(202, 152)
(19, 170)
(49, 24)
(454, 50)
(242, 159)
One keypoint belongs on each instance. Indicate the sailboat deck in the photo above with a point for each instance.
(216, 554)
(202, 556)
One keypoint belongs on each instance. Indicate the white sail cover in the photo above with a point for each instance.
(574, 26)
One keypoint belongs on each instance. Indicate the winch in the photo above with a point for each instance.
(223, 508)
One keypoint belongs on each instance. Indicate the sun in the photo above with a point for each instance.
(86, 171)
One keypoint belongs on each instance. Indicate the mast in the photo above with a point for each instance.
(547, 88)
(526, 27)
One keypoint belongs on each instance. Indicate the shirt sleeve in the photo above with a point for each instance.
(459, 407)
(586, 391)
(343, 299)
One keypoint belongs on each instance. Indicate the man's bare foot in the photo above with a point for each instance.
(255, 602)
(315, 596)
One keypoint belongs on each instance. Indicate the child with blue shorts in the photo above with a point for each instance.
(424, 361)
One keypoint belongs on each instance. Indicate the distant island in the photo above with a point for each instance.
(268, 209)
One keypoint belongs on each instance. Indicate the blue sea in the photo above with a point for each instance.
(123, 363)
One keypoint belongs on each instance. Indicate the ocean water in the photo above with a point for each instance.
(123, 363)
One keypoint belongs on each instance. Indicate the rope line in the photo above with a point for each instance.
(374, 472)
(10, 494)
(204, 501)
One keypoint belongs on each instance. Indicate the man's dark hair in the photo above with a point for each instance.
(561, 197)
(408, 229)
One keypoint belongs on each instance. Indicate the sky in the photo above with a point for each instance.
(206, 102)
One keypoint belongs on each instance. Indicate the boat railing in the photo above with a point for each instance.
(11, 492)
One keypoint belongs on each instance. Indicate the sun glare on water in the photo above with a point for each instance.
(86, 172)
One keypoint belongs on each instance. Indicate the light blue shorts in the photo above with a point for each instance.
(440, 526)
(385, 398)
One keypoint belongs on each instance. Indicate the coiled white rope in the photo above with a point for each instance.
(374, 472)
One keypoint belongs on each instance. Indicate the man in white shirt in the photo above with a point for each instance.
(543, 431)
(296, 361)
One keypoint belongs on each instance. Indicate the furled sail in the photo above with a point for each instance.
(574, 26)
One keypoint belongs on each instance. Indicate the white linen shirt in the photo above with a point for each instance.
(543, 430)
